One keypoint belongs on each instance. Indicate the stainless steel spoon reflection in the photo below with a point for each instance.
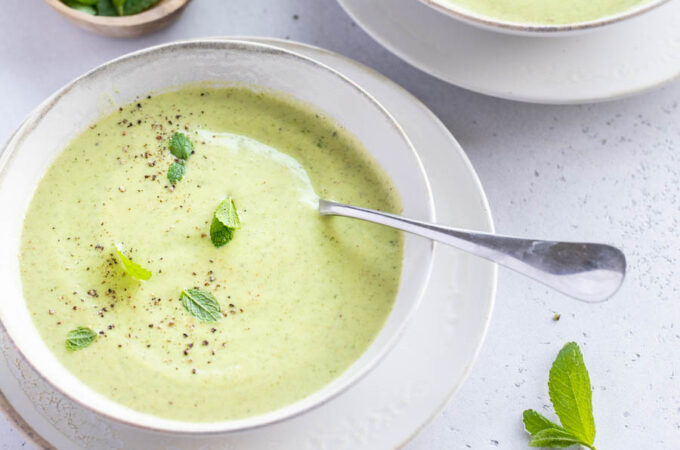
(585, 271)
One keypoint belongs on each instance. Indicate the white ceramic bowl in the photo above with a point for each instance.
(62, 117)
(529, 29)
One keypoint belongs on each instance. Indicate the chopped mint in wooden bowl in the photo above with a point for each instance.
(120, 18)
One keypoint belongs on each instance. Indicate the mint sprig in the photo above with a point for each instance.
(180, 146)
(225, 221)
(131, 267)
(201, 304)
(80, 337)
(571, 396)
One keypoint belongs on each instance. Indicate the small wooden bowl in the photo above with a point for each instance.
(153, 19)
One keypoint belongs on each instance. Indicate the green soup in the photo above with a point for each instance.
(302, 296)
(547, 12)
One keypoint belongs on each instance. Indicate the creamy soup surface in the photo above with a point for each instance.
(547, 12)
(302, 296)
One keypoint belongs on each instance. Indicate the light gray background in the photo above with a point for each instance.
(607, 172)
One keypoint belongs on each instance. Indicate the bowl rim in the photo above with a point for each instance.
(532, 29)
(286, 412)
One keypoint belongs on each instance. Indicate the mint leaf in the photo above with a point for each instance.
(570, 393)
(106, 8)
(201, 304)
(553, 437)
(79, 338)
(176, 172)
(219, 233)
(132, 268)
(87, 9)
(225, 221)
(180, 146)
(137, 6)
(227, 214)
(535, 422)
(118, 4)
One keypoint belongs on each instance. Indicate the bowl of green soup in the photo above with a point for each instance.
(163, 259)
(542, 17)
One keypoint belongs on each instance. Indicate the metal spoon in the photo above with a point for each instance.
(585, 271)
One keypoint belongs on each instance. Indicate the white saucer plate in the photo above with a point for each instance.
(604, 64)
(391, 404)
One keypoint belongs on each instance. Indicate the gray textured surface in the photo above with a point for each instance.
(607, 172)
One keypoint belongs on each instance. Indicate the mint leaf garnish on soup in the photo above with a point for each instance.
(201, 304)
(225, 221)
(180, 146)
(176, 172)
(79, 338)
(219, 234)
(227, 213)
(131, 267)
(571, 396)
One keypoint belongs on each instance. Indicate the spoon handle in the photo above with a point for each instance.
(586, 271)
